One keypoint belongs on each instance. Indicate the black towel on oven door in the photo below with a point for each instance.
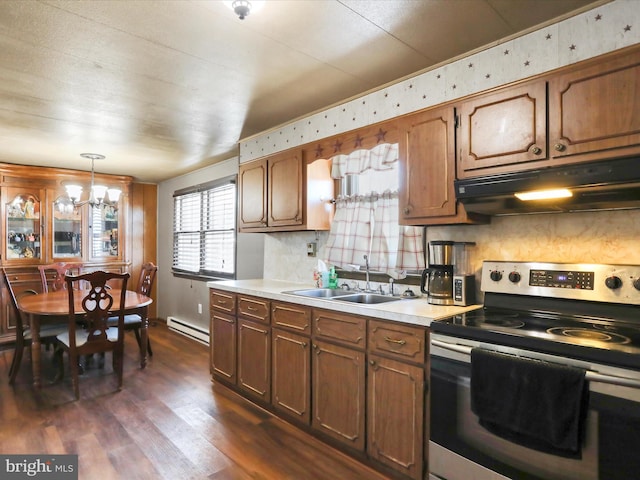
(536, 404)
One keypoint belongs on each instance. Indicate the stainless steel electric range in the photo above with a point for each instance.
(582, 316)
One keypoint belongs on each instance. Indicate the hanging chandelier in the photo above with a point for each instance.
(98, 194)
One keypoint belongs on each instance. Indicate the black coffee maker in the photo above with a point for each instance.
(437, 279)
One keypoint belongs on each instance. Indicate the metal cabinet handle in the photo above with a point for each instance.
(560, 147)
(536, 150)
(406, 210)
(398, 342)
(372, 362)
(304, 344)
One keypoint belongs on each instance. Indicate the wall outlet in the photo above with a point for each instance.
(200, 308)
(311, 249)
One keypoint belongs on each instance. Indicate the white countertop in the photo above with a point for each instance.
(414, 311)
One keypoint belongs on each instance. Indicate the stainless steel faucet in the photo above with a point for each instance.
(366, 264)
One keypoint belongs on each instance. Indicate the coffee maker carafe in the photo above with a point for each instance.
(437, 279)
(448, 280)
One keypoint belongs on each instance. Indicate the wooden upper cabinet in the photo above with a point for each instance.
(594, 110)
(503, 129)
(427, 170)
(285, 193)
(284, 189)
(252, 180)
(427, 165)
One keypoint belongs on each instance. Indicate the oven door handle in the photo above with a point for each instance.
(589, 374)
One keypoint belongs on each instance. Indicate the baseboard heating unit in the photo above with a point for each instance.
(187, 329)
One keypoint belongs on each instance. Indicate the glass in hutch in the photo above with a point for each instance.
(67, 229)
(23, 227)
(104, 230)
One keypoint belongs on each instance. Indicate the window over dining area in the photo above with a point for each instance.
(204, 230)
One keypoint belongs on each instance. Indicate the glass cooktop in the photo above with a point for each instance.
(588, 338)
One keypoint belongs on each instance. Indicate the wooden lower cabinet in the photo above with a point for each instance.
(291, 374)
(223, 346)
(254, 359)
(356, 382)
(338, 385)
(395, 415)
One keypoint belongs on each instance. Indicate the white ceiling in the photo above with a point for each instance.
(168, 86)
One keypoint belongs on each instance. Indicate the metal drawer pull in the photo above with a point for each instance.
(391, 340)
(589, 375)
(251, 309)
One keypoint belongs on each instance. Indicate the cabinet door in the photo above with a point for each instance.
(427, 166)
(223, 346)
(285, 190)
(338, 385)
(252, 188)
(291, 374)
(395, 418)
(503, 131)
(24, 214)
(254, 354)
(593, 111)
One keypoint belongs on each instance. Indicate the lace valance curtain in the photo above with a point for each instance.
(367, 223)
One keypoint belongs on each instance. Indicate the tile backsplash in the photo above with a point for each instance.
(586, 237)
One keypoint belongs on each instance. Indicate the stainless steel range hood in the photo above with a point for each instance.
(606, 185)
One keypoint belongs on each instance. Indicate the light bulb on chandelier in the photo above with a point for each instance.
(98, 194)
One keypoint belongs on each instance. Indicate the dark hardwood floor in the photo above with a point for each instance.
(168, 421)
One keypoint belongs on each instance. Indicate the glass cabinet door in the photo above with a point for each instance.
(104, 231)
(23, 225)
(67, 229)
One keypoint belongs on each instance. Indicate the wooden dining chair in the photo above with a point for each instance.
(59, 271)
(134, 321)
(88, 330)
(48, 332)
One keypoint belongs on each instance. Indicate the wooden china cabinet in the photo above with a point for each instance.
(41, 226)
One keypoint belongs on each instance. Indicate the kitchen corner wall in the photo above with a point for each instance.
(598, 237)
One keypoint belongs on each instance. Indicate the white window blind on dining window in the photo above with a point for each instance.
(204, 229)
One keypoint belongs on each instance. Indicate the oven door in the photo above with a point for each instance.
(461, 449)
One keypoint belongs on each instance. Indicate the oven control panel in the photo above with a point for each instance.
(561, 279)
(594, 282)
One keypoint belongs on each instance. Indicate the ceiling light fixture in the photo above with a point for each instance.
(98, 194)
(544, 194)
(242, 8)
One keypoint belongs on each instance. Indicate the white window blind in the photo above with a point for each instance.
(204, 230)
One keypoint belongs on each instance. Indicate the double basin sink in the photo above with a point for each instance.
(344, 295)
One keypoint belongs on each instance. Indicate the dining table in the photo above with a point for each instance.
(56, 304)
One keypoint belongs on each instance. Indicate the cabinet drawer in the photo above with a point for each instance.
(29, 277)
(291, 316)
(398, 340)
(347, 329)
(222, 301)
(254, 308)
